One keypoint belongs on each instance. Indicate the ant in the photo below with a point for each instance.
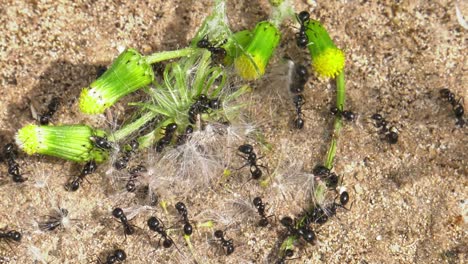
(122, 162)
(288, 253)
(101, 142)
(391, 134)
(117, 256)
(202, 105)
(183, 138)
(52, 107)
(346, 114)
(119, 214)
(89, 168)
(182, 209)
(258, 203)
(55, 221)
(8, 236)
(305, 232)
(157, 225)
(169, 132)
(227, 244)
(457, 107)
(217, 53)
(134, 173)
(299, 101)
(13, 167)
(301, 37)
(322, 172)
(251, 159)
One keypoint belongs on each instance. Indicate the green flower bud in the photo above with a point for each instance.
(327, 60)
(72, 142)
(251, 65)
(128, 73)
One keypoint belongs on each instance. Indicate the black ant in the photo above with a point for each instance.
(89, 168)
(183, 138)
(182, 209)
(157, 225)
(227, 244)
(54, 221)
(134, 173)
(217, 53)
(201, 105)
(117, 256)
(391, 134)
(346, 114)
(288, 253)
(258, 203)
(299, 101)
(330, 178)
(101, 142)
(169, 132)
(52, 107)
(10, 236)
(122, 162)
(457, 106)
(305, 232)
(13, 167)
(251, 159)
(119, 214)
(301, 37)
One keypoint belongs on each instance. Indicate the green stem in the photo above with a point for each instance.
(132, 127)
(167, 55)
(338, 124)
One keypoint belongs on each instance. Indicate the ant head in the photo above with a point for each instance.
(188, 229)
(303, 17)
(348, 115)
(377, 117)
(153, 223)
(204, 43)
(172, 127)
(180, 206)
(344, 198)
(320, 170)
(120, 254)
(257, 201)
(246, 148)
(118, 212)
(15, 235)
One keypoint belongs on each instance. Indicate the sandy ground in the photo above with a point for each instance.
(407, 198)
